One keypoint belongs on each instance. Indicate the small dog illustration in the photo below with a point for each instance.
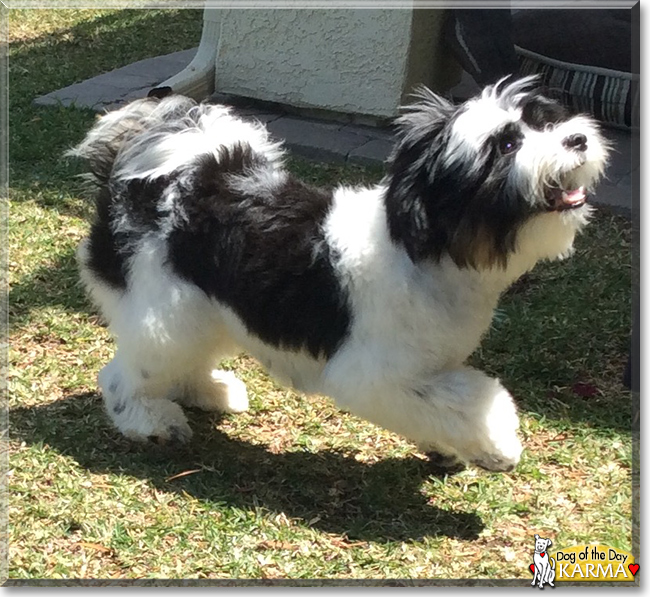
(544, 566)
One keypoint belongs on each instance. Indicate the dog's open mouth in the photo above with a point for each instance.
(559, 199)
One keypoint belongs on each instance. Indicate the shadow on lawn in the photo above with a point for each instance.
(331, 491)
(53, 285)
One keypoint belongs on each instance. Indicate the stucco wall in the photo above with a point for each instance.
(353, 61)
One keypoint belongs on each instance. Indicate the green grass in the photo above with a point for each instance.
(294, 488)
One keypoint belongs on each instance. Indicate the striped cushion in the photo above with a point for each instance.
(611, 96)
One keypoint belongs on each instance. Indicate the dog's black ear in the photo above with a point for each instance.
(406, 210)
(549, 543)
(410, 171)
(536, 536)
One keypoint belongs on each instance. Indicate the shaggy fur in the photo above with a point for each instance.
(205, 245)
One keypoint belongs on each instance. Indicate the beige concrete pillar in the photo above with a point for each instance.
(352, 61)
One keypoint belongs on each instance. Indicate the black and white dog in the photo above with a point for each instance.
(205, 245)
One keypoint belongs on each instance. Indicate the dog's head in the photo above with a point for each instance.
(463, 180)
(541, 545)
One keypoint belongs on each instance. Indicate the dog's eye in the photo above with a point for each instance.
(508, 144)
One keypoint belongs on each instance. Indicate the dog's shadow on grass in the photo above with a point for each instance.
(55, 284)
(329, 490)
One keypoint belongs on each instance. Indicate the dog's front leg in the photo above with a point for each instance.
(460, 413)
(535, 575)
(543, 574)
(476, 418)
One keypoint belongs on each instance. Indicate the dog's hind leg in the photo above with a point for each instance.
(134, 401)
(551, 574)
(133, 394)
(169, 335)
(214, 390)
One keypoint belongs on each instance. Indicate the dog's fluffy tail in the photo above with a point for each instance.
(114, 130)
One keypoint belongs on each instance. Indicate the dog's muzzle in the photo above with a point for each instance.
(559, 199)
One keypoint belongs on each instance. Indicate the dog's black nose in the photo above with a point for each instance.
(577, 141)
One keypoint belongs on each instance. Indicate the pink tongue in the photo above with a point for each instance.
(575, 196)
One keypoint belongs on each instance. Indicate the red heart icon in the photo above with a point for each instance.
(532, 568)
(542, 554)
(634, 568)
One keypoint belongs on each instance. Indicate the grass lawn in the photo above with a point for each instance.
(294, 488)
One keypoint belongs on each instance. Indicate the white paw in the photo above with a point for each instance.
(143, 419)
(234, 396)
(500, 447)
(220, 391)
(509, 447)
(494, 460)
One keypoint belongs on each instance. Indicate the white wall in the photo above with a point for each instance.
(343, 60)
